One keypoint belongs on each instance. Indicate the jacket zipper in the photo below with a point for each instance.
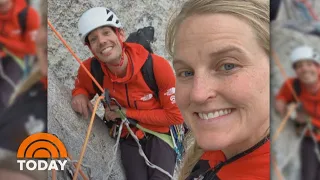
(135, 104)
(2, 28)
(127, 94)
(315, 109)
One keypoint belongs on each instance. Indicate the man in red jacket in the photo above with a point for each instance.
(121, 62)
(18, 28)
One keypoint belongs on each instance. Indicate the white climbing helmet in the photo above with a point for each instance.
(94, 18)
(304, 53)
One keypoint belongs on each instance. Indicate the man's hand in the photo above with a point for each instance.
(301, 117)
(112, 115)
(301, 120)
(80, 104)
(280, 107)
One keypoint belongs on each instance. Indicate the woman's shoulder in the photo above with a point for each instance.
(255, 165)
(206, 163)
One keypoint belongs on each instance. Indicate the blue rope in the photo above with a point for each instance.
(318, 27)
(304, 10)
(178, 138)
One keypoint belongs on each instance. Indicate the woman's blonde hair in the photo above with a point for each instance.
(35, 74)
(253, 12)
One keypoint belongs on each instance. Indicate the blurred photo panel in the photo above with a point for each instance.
(23, 81)
(295, 90)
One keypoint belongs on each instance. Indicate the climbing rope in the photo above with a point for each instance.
(19, 62)
(307, 10)
(283, 122)
(123, 117)
(54, 174)
(74, 163)
(127, 123)
(304, 10)
(87, 137)
(276, 168)
(7, 78)
(74, 55)
(115, 150)
(14, 57)
(144, 155)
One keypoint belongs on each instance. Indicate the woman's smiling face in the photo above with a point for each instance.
(222, 86)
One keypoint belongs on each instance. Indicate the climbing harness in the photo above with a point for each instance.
(307, 10)
(107, 99)
(127, 122)
(25, 64)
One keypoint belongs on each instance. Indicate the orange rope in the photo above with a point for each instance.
(74, 55)
(283, 122)
(276, 168)
(87, 137)
(310, 9)
(54, 174)
(95, 107)
(81, 172)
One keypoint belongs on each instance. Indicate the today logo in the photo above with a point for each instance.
(42, 146)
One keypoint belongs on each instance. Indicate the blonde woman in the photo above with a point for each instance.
(220, 55)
